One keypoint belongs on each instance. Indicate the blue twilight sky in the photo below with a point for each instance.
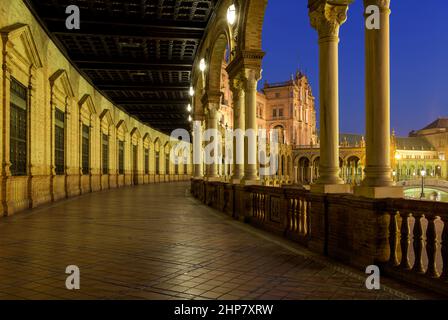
(419, 59)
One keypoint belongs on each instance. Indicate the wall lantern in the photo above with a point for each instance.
(202, 65)
(231, 15)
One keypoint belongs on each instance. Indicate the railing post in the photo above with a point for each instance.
(431, 247)
(318, 219)
(405, 241)
(418, 243)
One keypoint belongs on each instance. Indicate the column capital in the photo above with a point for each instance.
(251, 78)
(327, 18)
(212, 111)
(236, 84)
(211, 97)
(243, 60)
(382, 4)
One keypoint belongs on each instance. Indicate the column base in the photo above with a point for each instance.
(251, 182)
(198, 178)
(213, 179)
(235, 181)
(379, 192)
(331, 188)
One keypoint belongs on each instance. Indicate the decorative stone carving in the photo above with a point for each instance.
(327, 19)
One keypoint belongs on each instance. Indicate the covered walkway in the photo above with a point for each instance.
(157, 242)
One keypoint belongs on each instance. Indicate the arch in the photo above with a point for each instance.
(216, 57)
(303, 172)
(351, 169)
(280, 128)
(253, 21)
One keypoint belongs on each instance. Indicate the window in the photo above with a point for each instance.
(85, 149)
(146, 160)
(18, 129)
(185, 166)
(280, 112)
(120, 157)
(59, 141)
(274, 113)
(105, 154)
(157, 162)
(167, 163)
(277, 95)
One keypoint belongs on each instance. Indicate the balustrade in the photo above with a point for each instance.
(410, 244)
(422, 232)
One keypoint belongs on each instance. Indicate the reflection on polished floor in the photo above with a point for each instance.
(156, 242)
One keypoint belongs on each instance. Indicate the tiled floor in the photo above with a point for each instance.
(156, 242)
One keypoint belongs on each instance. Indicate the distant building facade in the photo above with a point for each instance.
(287, 107)
(423, 150)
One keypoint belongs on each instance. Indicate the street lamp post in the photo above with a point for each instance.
(423, 174)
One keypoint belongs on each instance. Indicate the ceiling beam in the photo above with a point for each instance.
(140, 86)
(151, 102)
(128, 31)
(133, 66)
(54, 18)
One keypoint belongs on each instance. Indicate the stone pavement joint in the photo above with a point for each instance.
(156, 242)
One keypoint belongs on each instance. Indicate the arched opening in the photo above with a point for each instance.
(304, 172)
(353, 170)
(316, 173)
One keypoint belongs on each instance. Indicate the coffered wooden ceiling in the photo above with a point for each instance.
(139, 53)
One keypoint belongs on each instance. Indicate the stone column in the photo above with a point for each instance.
(212, 101)
(296, 171)
(378, 182)
(327, 18)
(252, 76)
(238, 130)
(197, 148)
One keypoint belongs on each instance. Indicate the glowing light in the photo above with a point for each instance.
(189, 108)
(423, 173)
(231, 15)
(191, 91)
(202, 65)
(190, 119)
